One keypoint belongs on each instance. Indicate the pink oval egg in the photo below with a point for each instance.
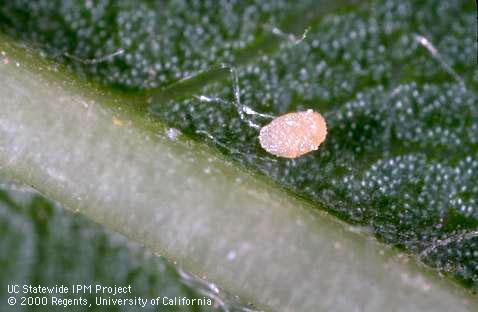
(293, 134)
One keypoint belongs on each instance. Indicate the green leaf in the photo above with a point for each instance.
(400, 101)
(392, 79)
(121, 169)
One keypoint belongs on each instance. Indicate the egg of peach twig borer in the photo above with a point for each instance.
(293, 134)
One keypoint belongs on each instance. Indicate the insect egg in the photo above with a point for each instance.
(293, 134)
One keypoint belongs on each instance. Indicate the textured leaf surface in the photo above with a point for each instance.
(162, 41)
(89, 149)
(401, 154)
(395, 81)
